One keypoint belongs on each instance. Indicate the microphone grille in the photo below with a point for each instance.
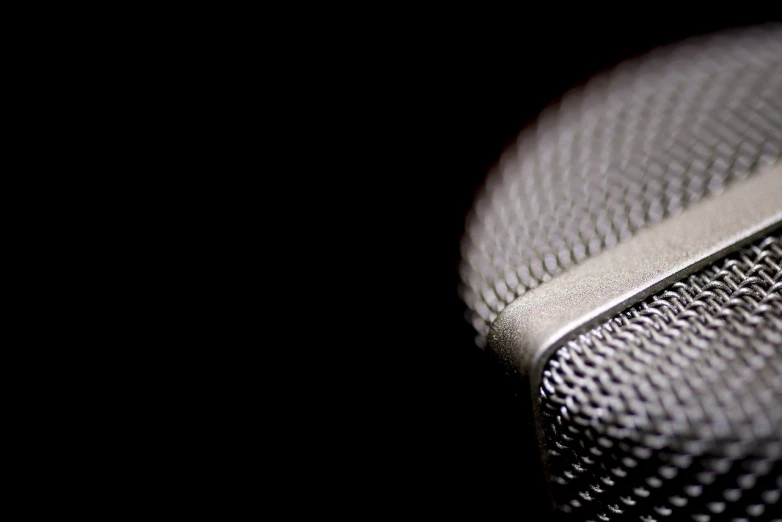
(630, 148)
(671, 410)
(673, 407)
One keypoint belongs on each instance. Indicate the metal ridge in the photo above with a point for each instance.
(528, 330)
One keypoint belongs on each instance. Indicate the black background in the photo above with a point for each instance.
(455, 440)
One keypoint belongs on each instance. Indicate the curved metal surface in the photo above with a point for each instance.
(532, 326)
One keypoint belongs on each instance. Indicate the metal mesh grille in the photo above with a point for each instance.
(674, 408)
(630, 148)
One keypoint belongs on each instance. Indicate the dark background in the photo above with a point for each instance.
(456, 440)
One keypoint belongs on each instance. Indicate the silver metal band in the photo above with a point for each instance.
(532, 326)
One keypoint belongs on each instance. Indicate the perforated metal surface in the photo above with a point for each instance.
(671, 411)
(674, 408)
(630, 148)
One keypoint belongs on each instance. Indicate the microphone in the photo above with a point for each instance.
(625, 260)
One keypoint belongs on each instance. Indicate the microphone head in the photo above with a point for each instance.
(670, 406)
